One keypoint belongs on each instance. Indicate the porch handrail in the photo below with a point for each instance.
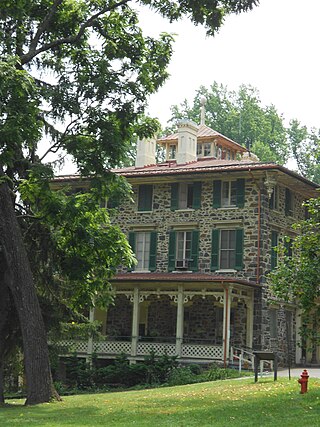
(242, 355)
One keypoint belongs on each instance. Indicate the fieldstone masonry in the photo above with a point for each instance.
(201, 321)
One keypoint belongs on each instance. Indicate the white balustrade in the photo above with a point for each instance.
(199, 351)
(145, 348)
(190, 351)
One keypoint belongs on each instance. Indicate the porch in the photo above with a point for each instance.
(196, 317)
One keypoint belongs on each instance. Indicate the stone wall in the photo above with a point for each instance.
(162, 317)
(119, 318)
(162, 219)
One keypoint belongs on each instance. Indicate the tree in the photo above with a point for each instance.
(296, 278)
(305, 148)
(240, 116)
(80, 72)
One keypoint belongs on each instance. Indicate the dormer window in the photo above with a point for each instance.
(205, 149)
(171, 151)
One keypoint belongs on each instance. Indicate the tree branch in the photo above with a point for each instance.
(54, 147)
(44, 25)
(71, 39)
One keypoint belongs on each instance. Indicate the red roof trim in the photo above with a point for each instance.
(178, 277)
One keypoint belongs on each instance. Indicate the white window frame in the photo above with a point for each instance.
(143, 260)
(184, 201)
(275, 198)
(185, 237)
(202, 149)
(227, 201)
(230, 250)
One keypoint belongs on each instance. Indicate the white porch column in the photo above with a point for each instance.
(249, 325)
(226, 323)
(135, 322)
(180, 315)
(90, 339)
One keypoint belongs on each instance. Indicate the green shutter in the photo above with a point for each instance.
(215, 249)
(174, 196)
(153, 251)
(240, 192)
(196, 203)
(145, 198)
(287, 202)
(239, 249)
(216, 194)
(132, 243)
(274, 254)
(194, 250)
(172, 251)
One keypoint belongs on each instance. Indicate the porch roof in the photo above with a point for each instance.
(179, 277)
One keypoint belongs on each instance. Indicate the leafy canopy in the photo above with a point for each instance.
(296, 277)
(240, 116)
(80, 73)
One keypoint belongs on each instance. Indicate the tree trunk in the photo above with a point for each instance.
(36, 355)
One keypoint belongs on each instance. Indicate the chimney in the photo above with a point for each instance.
(146, 152)
(187, 142)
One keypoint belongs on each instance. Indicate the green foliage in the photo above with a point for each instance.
(305, 147)
(13, 369)
(241, 117)
(85, 249)
(216, 373)
(185, 375)
(296, 278)
(80, 73)
(159, 367)
(154, 370)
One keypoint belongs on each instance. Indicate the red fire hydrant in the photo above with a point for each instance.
(304, 381)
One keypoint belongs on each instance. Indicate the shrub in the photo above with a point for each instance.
(159, 367)
(216, 373)
(180, 376)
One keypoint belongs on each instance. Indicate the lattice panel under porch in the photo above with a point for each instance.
(202, 351)
(158, 348)
(112, 347)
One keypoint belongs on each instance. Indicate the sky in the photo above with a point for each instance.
(274, 47)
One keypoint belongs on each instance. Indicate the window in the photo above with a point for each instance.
(185, 195)
(273, 315)
(274, 199)
(172, 151)
(227, 249)
(228, 193)
(144, 245)
(274, 244)
(145, 197)
(183, 250)
(204, 149)
(288, 202)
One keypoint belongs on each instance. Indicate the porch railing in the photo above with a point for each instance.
(243, 356)
(115, 347)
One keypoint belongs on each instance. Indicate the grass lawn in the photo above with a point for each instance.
(219, 403)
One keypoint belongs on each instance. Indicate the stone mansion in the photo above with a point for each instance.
(203, 225)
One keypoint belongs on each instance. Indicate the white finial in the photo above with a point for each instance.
(203, 102)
